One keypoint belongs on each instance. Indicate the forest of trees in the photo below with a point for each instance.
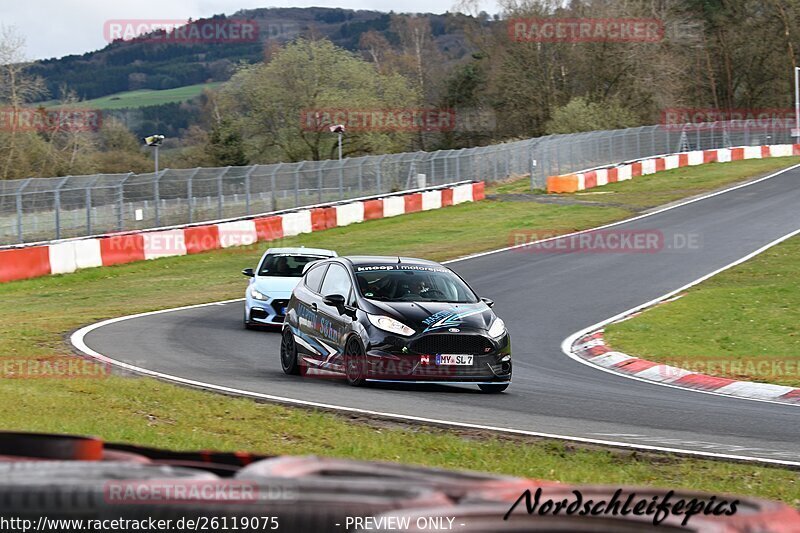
(715, 54)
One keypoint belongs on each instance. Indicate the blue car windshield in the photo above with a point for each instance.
(412, 283)
(286, 265)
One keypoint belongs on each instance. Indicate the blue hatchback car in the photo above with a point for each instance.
(273, 280)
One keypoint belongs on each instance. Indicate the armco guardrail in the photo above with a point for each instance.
(596, 177)
(67, 256)
(44, 209)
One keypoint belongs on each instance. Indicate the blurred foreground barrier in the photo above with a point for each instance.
(181, 491)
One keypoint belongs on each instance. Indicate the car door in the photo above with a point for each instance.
(334, 324)
(307, 301)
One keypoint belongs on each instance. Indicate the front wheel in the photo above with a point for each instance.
(247, 324)
(493, 389)
(355, 363)
(289, 353)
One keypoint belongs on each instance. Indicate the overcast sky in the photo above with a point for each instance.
(55, 28)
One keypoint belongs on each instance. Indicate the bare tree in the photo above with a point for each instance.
(16, 88)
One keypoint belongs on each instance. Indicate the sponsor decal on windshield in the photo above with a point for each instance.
(423, 268)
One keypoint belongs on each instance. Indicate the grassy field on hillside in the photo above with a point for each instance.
(146, 97)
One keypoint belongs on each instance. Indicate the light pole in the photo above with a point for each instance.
(154, 141)
(796, 132)
(338, 129)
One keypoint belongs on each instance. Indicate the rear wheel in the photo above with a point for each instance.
(355, 363)
(493, 389)
(289, 362)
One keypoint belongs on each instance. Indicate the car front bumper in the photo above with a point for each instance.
(392, 358)
(271, 311)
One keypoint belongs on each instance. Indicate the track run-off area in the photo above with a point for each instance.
(545, 297)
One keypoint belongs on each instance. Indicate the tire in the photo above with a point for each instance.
(289, 362)
(493, 389)
(247, 324)
(355, 363)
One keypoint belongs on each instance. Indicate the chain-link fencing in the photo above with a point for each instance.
(40, 209)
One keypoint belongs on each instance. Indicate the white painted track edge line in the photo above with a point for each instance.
(77, 340)
(566, 345)
(625, 221)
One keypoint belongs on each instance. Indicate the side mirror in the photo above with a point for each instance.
(488, 301)
(334, 300)
(249, 272)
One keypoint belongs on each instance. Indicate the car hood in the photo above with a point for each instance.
(275, 286)
(436, 316)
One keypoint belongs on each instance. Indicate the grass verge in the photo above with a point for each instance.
(36, 314)
(743, 323)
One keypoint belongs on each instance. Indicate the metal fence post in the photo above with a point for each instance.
(247, 190)
(321, 181)
(220, 197)
(157, 195)
(297, 183)
(274, 186)
(341, 179)
(378, 176)
(638, 145)
(88, 210)
(653, 141)
(20, 232)
(361, 177)
(89, 188)
(190, 194)
(121, 202)
(57, 206)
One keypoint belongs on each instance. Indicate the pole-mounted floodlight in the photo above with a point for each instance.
(154, 141)
(796, 132)
(339, 130)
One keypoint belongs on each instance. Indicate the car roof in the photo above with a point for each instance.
(302, 251)
(357, 260)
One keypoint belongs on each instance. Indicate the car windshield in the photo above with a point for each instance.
(412, 283)
(286, 265)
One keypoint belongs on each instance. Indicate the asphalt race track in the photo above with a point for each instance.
(543, 298)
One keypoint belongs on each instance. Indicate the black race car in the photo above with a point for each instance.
(393, 319)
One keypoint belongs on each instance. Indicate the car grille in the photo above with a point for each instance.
(278, 306)
(456, 344)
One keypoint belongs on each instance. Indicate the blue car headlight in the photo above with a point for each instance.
(257, 295)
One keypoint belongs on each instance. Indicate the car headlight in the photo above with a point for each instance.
(255, 294)
(498, 328)
(390, 324)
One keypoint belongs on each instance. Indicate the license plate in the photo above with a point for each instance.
(454, 359)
